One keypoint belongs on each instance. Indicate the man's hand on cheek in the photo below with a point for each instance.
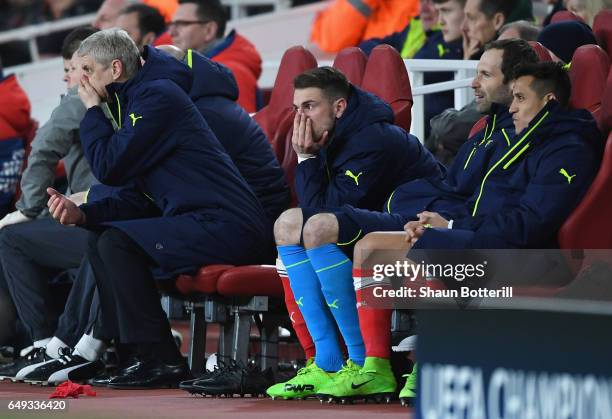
(303, 139)
(88, 94)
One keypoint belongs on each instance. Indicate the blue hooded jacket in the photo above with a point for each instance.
(203, 210)
(446, 195)
(214, 92)
(367, 157)
(530, 189)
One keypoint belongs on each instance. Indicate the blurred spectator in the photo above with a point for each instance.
(554, 6)
(483, 18)
(15, 124)
(443, 44)
(143, 23)
(167, 8)
(14, 108)
(586, 9)
(200, 25)
(412, 38)
(17, 13)
(521, 29)
(563, 38)
(523, 11)
(107, 14)
(51, 45)
(345, 23)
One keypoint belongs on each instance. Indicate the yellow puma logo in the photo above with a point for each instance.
(567, 175)
(299, 302)
(334, 304)
(352, 176)
(134, 118)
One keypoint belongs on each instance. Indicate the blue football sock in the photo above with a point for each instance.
(335, 274)
(319, 320)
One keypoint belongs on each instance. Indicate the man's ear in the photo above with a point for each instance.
(210, 29)
(117, 69)
(550, 96)
(339, 107)
(499, 20)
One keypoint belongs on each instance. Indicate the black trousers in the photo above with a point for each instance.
(32, 254)
(130, 307)
(82, 311)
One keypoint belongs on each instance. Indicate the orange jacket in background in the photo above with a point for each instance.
(165, 7)
(345, 23)
(14, 109)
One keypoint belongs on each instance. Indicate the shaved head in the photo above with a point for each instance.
(173, 51)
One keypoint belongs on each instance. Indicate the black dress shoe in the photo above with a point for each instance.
(101, 380)
(187, 385)
(234, 378)
(150, 373)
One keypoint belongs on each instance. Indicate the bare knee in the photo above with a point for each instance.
(380, 247)
(288, 227)
(320, 229)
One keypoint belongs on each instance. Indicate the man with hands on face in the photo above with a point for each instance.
(349, 153)
(187, 204)
(483, 19)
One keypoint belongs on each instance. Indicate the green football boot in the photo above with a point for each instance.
(408, 394)
(374, 381)
(306, 383)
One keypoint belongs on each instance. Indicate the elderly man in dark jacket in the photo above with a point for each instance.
(214, 92)
(191, 206)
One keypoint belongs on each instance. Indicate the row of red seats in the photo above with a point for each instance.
(602, 26)
(383, 74)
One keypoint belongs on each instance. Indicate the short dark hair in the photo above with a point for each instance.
(548, 77)
(462, 2)
(331, 80)
(73, 40)
(490, 7)
(515, 53)
(149, 18)
(211, 10)
(527, 30)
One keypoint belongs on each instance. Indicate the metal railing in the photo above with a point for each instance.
(30, 33)
(238, 10)
(42, 83)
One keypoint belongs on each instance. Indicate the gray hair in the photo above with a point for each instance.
(112, 44)
(527, 30)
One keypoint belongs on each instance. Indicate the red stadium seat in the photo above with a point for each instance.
(295, 61)
(541, 50)
(478, 126)
(386, 76)
(204, 281)
(565, 15)
(589, 227)
(249, 281)
(602, 28)
(588, 73)
(352, 62)
(605, 120)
